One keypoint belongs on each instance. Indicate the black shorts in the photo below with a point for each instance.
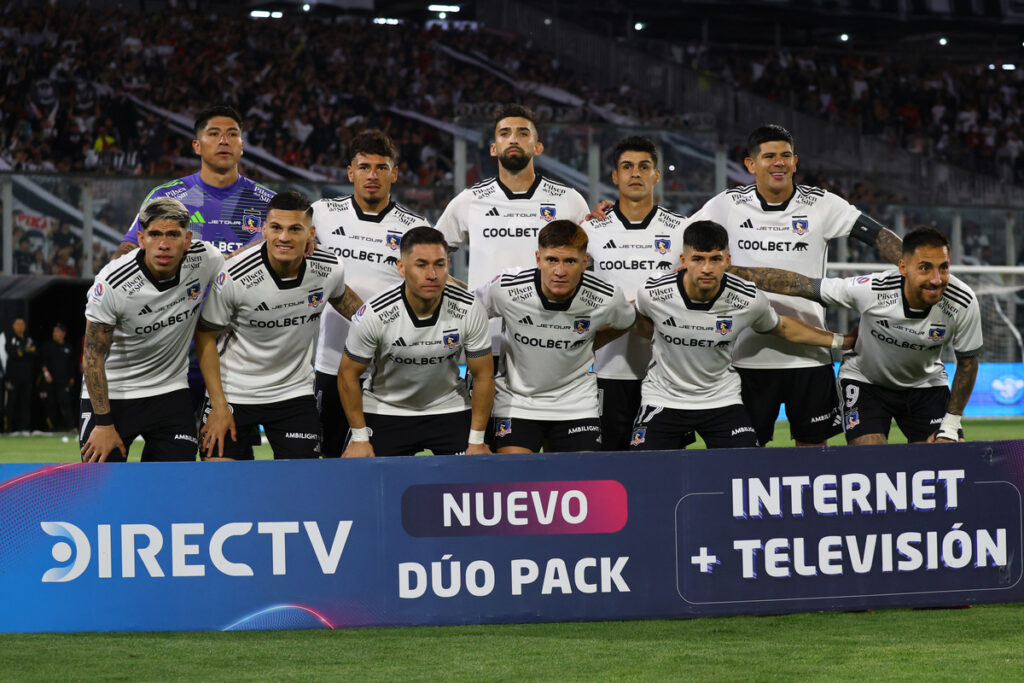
(292, 426)
(812, 402)
(333, 423)
(166, 422)
(620, 401)
(870, 409)
(556, 436)
(669, 429)
(444, 434)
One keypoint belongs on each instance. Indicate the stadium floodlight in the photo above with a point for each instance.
(276, 15)
(639, 26)
(388, 21)
(443, 8)
(671, 167)
(259, 14)
(844, 37)
(943, 42)
(305, 7)
(547, 21)
(1009, 67)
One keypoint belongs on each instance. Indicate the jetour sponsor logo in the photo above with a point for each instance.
(515, 508)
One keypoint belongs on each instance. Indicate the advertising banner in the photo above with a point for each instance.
(493, 539)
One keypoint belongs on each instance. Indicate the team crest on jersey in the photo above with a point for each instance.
(394, 239)
(639, 436)
(193, 290)
(451, 339)
(723, 325)
(852, 420)
(251, 220)
(547, 212)
(503, 427)
(937, 333)
(662, 244)
(315, 298)
(221, 277)
(801, 226)
(580, 325)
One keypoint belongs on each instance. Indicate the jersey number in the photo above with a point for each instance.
(852, 394)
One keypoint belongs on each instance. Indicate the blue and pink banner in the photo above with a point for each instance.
(492, 539)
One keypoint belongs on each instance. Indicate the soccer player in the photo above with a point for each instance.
(225, 208)
(907, 316)
(696, 315)
(775, 223)
(364, 230)
(553, 317)
(268, 303)
(140, 316)
(635, 240)
(411, 337)
(500, 217)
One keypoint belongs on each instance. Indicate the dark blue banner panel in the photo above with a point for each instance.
(492, 539)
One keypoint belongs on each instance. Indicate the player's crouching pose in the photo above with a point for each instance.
(553, 317)
(907, 316)
(142, 310)
(695, 316)
(266, 307)
(411, 337)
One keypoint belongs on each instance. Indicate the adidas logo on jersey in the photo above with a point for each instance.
(399, 342)
(747, 224)
(339, 231)
(493, 212)
(610, 244)
(671, 322)
(145, 309)
(526, 321)
(263, 306)
(883, 323)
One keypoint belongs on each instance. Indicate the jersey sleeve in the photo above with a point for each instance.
(764, 318)
(451, 223)
(102, 305)
(840, 216)
(363, 336)
(489, 295)
(578, 208)
(643, 301)
(711, 211)
(335, 285)
(219, 308)
(967, 340)
(849, 292)
(622, 315)
(478, 334)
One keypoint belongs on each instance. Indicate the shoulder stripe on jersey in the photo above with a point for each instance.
(554, 182)
(124, 275)
(485, 181)
(511, 279)
(660, 281)
(671, 213)
(388, 296)
(458, 293)
(956, 297)
(244, 268)
(244, 261)
(734, 286)
(895, 277)
(196, 248)
(323, 256)
(810, 189)
(125, 267)
(966, 294)
(741, 190)
(884, 288)
(597, 284)
(407, 212)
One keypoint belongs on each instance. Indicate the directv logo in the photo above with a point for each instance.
(493, 212)
(144, 543)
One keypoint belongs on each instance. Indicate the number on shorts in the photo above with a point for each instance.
(85, 423)
(852, 394)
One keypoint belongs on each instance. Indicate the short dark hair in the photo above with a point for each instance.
(290, 200)
(422, 235)
(518, 111)
(372, 141)
(770, 132)
(923, 236)
(636, 143)
(212, 112)
(705, 236)
(562, 233)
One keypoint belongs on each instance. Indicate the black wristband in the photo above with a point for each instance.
(104, 420)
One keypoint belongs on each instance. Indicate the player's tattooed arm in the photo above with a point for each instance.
(781, 281)
(963, 384)
(889, 246)
(103, 439)
(123, 249)
(348, 303)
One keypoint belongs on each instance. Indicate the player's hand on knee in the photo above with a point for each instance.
(103, 440)
(219, 423)
(600, 210)
(358, 449)
(477, 449)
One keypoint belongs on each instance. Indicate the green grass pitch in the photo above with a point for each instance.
(982, 643)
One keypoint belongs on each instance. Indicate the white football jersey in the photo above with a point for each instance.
(626, 254)
(414, 363)
(266, 352)
(153, 321)
(548, 346)
(693, 340)
(369, 247)
(793, 236)
(501, 226)
(898, 347)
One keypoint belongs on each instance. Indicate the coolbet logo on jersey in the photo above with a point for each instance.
(801, 226)
(547, 212)
(662, 245)
(580, 325)
(451, 339)
(394, 239)
(936, 333)
(315, 298)
(193, 290)
(723, 325)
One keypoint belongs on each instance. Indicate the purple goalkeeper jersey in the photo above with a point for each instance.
(227, 217)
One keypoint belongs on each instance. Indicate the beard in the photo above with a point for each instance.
(514, 163)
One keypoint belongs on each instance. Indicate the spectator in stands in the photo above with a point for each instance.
(23, 258)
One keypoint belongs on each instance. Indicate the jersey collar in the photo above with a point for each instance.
(425, 322)
(765, 206)
(642, 225)
(517, 195)
(371, 217)
(553, 305)
(140, 258)
(282, 284)
(907, 311)
(698, 305)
